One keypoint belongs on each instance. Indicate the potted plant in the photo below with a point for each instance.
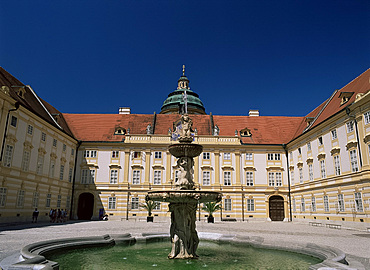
(149, 206)
(210, 208)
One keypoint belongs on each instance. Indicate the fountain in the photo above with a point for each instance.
(184, 199)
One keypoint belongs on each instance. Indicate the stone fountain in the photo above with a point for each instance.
(184, 199)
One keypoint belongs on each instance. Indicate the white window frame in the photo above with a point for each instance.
(113, 176)
(334, 134)
(300, 175)
(61, 172)
(26, 160)
(115, 154)
(55, 142)
(52, 168)
(309, 146)
(13, 121)
(310, 171)
(8, 155)
(353, 157)
(250, 205)
(294, 205)
(249, 156)
(227, 204)
(341, 203)
(3, 191)
(70, 174)
(320, 141)
(227, 156)
(40, 164)
(30, 130)
(206, 155)
(337, 164)
(322, 169)
(206, 178)
(59, 201)
(292, 177)
(367, 118)
(271, 176)
(358, 202)
(43, 136)
(277, 156)
(20, 198)
(303, 205)
(134, 203)
(227, 178)
(112, 202)
(136, 177)
(313, 204)
(157, 180)
(326, 203)
(249, 181)
(158, 155)
(278, 179)
(48, 200)
(350, 127)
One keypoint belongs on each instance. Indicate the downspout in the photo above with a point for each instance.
(289, 190)
(16, 105)
(74, 181)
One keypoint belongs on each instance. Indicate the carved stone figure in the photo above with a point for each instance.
(185, 133)
(149, 129)
(185, 176)
(216, 131)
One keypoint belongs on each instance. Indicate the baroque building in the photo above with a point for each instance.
(314, 167)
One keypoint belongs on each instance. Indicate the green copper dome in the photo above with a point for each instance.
(174, 103)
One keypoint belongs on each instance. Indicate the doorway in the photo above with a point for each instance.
(276, 208)
(85, 206)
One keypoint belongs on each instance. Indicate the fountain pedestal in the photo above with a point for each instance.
(183, 207)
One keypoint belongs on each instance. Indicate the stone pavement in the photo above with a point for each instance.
(352, 238)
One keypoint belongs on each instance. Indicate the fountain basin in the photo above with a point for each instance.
(185, 150)
(184, 196)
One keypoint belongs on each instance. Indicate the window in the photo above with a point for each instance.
(248, 156)
(322, 166)
(227, 178)
(20, 198)
(134, 203)
(313, 204)
(308, 146)
(70, 174)
(68, 202)
(227, 205)
(64, 147)
(40, 164)
(349, 126)
(227, 156)
(271, 156)
(112, 203)
(326, 203)
(341, 205)
(353, 155)
(157, 177)
(157, 206)
(113, 177)
(30, 130)
(25, 160)
(279, 181)
(8, 155)
(334, 134)
(93, 153)
(271, 179)
(115, 154)
(206, 155)
(367, 117)
(249, 178)
(43, 136)
(59, 201)
(86, 154)
(52, 168)
(206, 178)
(358, 202)
(337, 165)
(61, 173)
(299, 151)
(48, 200)
(55, 142)
(310, 171)
(320, 141)
(136, 177)
(292, 177)
(72, 152)
(13, 121)
(136, 154)
(158, 155)
(87, 176)
(303, 206)
(250, 205)
(301, 175)
(2, 196)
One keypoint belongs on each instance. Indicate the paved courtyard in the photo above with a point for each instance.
(352, 238)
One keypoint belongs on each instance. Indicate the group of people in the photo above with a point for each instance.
(59, 215)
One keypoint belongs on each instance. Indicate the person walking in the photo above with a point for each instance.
(35, 215)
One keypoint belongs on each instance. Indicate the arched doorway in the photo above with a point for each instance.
(276, 208)
(85, 206)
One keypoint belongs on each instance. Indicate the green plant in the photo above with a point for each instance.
(211, 207)
(149, 206)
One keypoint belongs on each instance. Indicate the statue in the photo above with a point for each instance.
(216, 131)
(185, 133)
(149, 129)
(185, 176)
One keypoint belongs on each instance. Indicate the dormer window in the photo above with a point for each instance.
(309, 120)
(20, 91)
(119, 131)
(245, 132)
(345, 96)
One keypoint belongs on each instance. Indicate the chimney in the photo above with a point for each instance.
(124, 110)
(254, 113)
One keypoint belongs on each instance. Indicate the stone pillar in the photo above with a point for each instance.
(126, 167)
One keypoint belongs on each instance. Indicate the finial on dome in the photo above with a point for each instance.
(183, 70)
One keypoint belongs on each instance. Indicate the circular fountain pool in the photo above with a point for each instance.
(154, 256)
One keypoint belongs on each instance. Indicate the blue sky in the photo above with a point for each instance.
(281, 57)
